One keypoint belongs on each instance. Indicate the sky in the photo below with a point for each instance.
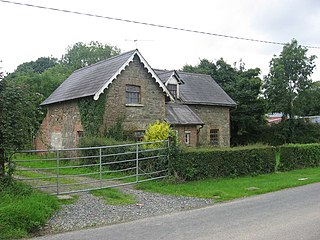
(29, 33)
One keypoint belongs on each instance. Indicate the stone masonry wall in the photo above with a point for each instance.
(136, 116)
(60, 127)
(214, 117)
(181, 134)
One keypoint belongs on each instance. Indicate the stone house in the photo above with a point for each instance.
(194, 104)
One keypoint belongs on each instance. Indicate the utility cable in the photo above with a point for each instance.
(151, 24)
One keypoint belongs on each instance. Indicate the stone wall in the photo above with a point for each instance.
(182, 129)
(136, 116)
(214, 117)
(60, 127)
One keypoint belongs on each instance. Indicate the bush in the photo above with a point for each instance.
(23, 210)
(297, 156)
(197, 164)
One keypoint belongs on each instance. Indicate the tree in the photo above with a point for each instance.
(80, 54)
(289, 78)
(243, 86)
(38, 66)
(18, 118)
(307, 103)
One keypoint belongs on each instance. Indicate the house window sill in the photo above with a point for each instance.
(134, 105)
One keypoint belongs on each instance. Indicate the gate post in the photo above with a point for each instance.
(58, 170)
(100, 166)
(137, 162)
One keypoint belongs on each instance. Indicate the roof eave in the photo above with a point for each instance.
(210, 104)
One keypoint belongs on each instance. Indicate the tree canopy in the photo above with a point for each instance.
(80, 54)
(289, 78)
(20, 117)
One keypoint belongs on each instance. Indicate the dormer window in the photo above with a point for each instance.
(173, 90)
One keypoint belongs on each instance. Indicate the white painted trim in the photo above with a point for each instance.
(154, 75)
(146, 65)
(106, 85)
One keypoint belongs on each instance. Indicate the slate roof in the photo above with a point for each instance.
(93, 79)
(164, 75)
(202, 89)
(180, 114)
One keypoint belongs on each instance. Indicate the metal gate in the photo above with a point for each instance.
(62, 171)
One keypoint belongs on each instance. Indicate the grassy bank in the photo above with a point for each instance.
(23, 210)
(227, 189)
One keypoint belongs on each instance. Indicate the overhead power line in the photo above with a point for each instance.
(150, 24)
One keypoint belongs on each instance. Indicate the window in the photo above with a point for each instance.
(132, 94)
(187, 137)
(173, 90)
(214, 136)
(138, 135)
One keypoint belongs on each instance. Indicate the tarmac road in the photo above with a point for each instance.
(288, 214)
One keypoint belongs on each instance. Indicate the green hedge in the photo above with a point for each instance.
(207, 163)
(296, 156)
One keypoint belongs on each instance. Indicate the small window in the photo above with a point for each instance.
(173, 90)
(132, 94)
(139, 135)
(187, 137)
(214, 136)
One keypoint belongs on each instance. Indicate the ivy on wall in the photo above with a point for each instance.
(91, 114)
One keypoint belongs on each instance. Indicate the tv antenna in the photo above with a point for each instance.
(135, 41)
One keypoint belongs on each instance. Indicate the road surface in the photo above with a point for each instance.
(288, 214)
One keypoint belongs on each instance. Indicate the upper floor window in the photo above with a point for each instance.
(132, 94)
(214, 136)
(173, 90)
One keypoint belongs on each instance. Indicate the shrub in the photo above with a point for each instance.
(23, 210)
(296, 156)
(215, 163)
(158, 131)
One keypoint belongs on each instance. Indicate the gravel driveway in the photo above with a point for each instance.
(91, 211)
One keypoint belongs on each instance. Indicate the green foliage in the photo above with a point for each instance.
(38, 66)
(81, 54)
(296, 156)
(23, 210)
(244, 87)
(18, 115)
(294, 131)
(288, 78)
(91, 114)
(117, 130)
(215, 163)
(307, 103)
(93, 141)
(158, 131)
(19, 119)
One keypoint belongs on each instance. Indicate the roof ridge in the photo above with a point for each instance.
(191, 73)
(103, 61)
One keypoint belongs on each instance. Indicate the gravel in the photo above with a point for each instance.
(91, 211)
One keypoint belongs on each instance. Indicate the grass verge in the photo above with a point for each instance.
(227, 189)
(113, 196)
(23, 210)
